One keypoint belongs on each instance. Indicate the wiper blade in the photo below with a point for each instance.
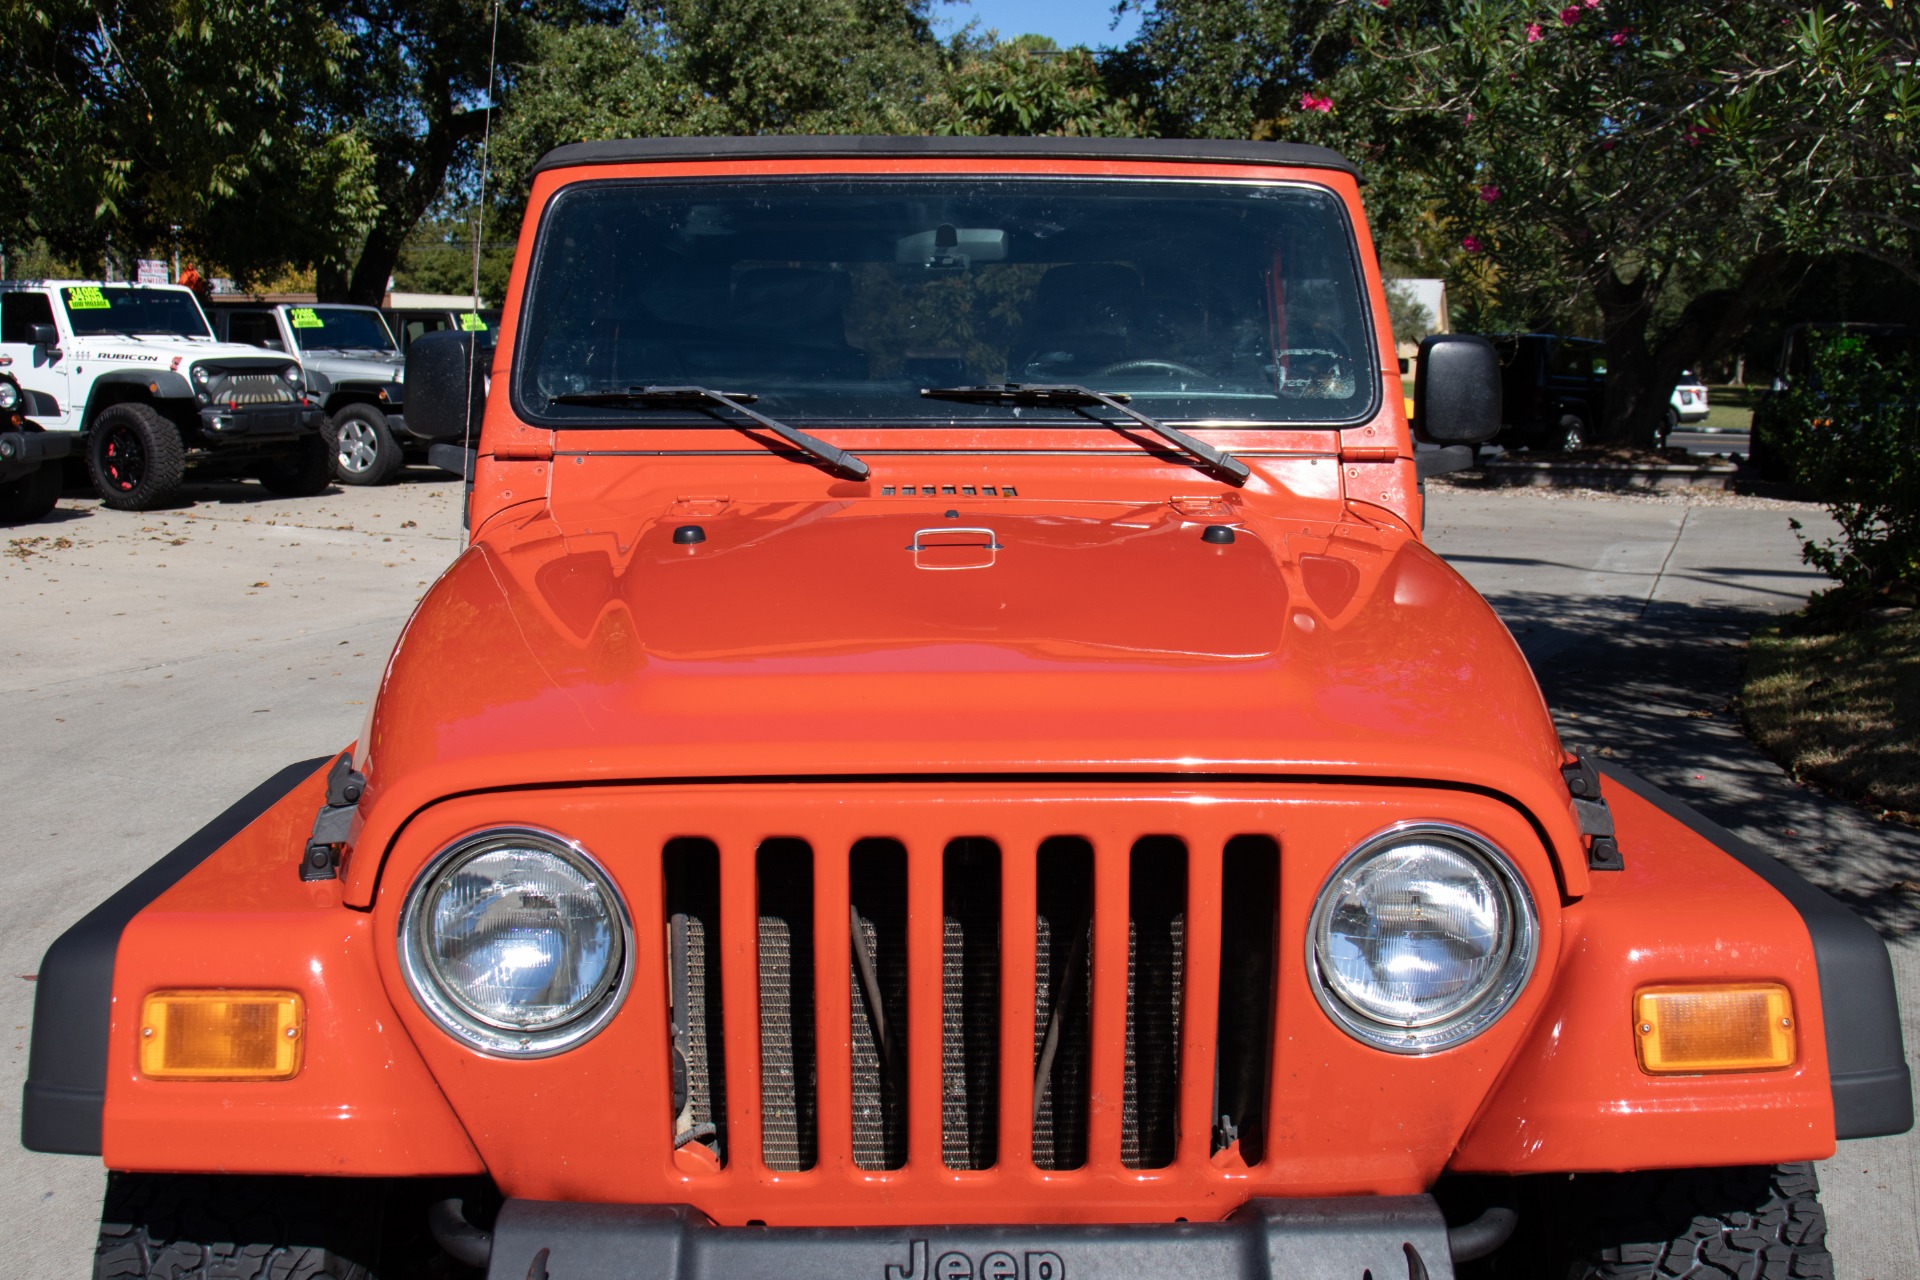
(1072, 396)
(837, 460)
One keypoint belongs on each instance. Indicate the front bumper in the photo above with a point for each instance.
(1334, 1239)
(220, 424)
(24, 452)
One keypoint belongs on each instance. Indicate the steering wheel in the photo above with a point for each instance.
(1165, 368)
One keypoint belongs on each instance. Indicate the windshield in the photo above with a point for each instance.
(841, 300)
(339, 329)
(106, 308)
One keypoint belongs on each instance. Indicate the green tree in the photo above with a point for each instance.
(140, 124)
(1028, 86)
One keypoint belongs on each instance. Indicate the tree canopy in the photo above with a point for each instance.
(1652, 172)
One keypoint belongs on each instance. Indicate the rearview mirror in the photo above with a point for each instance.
(447, 385)
(1457, 397)
(43, 335)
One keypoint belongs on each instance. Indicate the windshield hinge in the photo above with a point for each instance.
(526, 448)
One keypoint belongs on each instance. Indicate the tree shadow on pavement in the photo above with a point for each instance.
(1654, 686)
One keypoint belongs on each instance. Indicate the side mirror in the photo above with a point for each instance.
(43, 335)
(1457, 397)
(447, 385)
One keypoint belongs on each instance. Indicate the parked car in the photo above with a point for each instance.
(356, 371)
(858, 808)
(30, 458)
(1771, 450)
(410, 322)
(135, 373)
(1688, 404)
(1553, 390)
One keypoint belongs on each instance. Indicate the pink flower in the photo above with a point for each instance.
(1570, 15)
(1619, 37)
(1489, 193)
(1695, 132)
(1315, 102)
(1534, 32)
(1469, 117)
(1593, 4)
(1471, 244)
(1609, 144)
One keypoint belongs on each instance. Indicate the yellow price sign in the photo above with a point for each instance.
(87, 297)
(470, 322)
(305, 318)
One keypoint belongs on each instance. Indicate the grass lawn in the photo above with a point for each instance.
(1842, 710)
(1731, 408)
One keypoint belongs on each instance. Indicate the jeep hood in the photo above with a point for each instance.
(818, 641)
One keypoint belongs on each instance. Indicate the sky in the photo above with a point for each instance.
(1068, 22)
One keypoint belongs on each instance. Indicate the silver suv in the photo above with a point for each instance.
(355, 369)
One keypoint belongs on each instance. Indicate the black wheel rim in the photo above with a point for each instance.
(123, 459)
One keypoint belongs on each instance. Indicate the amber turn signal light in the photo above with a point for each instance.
(221, 1035)
(1727, 1027)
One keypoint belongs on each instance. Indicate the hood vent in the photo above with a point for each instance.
(949, 491)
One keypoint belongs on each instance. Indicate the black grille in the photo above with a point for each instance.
(973, 882)
(249, 388)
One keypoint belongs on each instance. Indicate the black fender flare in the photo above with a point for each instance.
(60, 1108)
(160, 384)
(1866, 1057)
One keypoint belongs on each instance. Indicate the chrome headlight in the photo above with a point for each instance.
(1421, 938)
(291, 373)
(200, 374)
(516, 942)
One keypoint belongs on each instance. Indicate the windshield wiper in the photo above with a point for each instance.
(1219, 462)
(836, 460)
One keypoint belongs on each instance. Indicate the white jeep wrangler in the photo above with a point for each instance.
(135, 371)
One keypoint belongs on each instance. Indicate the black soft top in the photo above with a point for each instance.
(645, 150)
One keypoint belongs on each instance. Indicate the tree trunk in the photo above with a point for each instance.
(409, 184)
(1624, 313)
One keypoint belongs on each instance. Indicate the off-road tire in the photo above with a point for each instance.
(134, 457)
(305, 471)
(187, 1227)
(31, 496)
(362, 446)
(1743, 1222)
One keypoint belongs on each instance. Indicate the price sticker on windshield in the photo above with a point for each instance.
(470, 322)
(87, 297)
(305, 318)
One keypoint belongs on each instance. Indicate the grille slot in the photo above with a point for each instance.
(877, 969)
(789, 1117)
(970, 1005)
(1063, 937)
(1249, 927)
(1156, 960)
(692, 869)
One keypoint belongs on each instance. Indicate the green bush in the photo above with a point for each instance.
(1854, 432)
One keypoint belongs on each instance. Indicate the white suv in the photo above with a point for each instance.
(135, 371)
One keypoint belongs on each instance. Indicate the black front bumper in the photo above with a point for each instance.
(1385, 1237)
(252, 423)
(24, 452)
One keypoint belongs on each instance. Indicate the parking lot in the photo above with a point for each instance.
(154, 666)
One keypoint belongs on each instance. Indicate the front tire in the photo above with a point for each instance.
(134, 457)
(30, 497)
(307, 471)
(1756, 1221)
(185, 1227)
(364, 450)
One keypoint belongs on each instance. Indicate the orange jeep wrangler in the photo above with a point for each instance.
(947, 758)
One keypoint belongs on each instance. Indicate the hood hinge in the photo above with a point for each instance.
(321, 860)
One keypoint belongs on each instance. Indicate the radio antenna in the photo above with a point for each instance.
(479, 239)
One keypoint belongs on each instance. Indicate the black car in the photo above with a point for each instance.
(1554, 390)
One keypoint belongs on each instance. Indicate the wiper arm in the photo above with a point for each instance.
(1071, 396)
(837, 460)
